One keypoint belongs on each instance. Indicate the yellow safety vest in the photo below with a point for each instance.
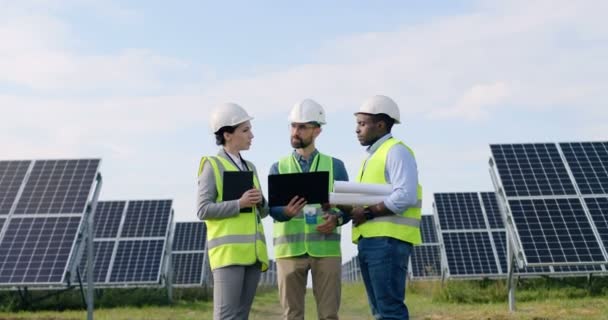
(295, 237)
(404, 226)
(237, 240)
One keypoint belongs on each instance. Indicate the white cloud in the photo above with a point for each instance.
(520, 55)
(475, 102)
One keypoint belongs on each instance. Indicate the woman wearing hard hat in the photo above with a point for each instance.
(235, 235)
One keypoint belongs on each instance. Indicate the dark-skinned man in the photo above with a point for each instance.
(386, 232)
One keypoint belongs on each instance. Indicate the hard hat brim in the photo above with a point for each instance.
(373, 114)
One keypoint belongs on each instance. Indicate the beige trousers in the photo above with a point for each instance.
(292, 274)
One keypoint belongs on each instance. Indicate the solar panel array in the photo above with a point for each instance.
(555, 195)
(188, 254)
(425, 261)
(130, 242)
(42, 205)
(466, 222)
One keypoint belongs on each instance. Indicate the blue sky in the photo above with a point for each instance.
(132, 82)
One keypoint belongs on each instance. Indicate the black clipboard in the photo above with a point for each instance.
(313, 186)
(235, 184)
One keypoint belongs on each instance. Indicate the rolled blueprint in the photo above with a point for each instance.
(362, 188)
(355, 199)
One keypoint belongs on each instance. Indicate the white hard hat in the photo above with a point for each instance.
(307, 110)
(381, 104)
(227, 114)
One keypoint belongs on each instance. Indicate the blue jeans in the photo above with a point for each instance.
(383, 262)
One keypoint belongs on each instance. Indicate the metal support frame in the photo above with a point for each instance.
(91, 252)
(510, 278)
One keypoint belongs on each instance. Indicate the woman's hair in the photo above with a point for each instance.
(219, 135)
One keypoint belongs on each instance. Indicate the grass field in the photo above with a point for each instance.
(425, 300)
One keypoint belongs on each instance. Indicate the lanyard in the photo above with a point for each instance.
(243, 162)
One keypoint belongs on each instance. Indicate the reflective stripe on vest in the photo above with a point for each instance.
(237, 240)
(404, 226)
(295, 237)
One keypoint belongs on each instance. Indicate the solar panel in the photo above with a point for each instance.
(469, 254)
(466, 222)
(187, 268)
(12, 174)
(147, 219)
(189, 236)
(36, 250)
(555, 231)
(589, 164)
(188, 253)
(459, 211)
(58, 187)
(598, 207)
(427, 229)
(426, 261)
(542, 199)
(492, 210)
(108, 216)
(103, 257)
(44, 202)
(138, 261)
(578, 269)
(137, 256)
(531, 170)
(500, 241)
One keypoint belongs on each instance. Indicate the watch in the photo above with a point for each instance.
(340, 220)
(369, 215)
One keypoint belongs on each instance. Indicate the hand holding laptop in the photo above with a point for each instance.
(294, 207)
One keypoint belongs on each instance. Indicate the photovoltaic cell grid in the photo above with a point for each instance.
(532, 170)
(490, 205)
(426, 261)
(426, 258)
(188, 268)
(108, 215)
(555, 231)
(103, 257)
(188, 253)
(598, 207)
(39, 235)
(12, 174)
(147, 218)
(189, 236)
(549, 215)
(138, 261)
(465, 233)
(500, 241)
(459, 211)
(136, 257)
(427, 229)
(589, 164)
(58, 187)
(469, 253)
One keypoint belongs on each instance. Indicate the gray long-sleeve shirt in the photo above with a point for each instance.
(207, 193)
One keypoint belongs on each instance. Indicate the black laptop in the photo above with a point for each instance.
(313, 186)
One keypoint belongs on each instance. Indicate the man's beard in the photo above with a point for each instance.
(299, 143)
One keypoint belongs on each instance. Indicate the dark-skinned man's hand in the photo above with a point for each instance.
(358, 216)
(327, 227)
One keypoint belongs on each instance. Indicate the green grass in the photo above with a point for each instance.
(538, 300)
